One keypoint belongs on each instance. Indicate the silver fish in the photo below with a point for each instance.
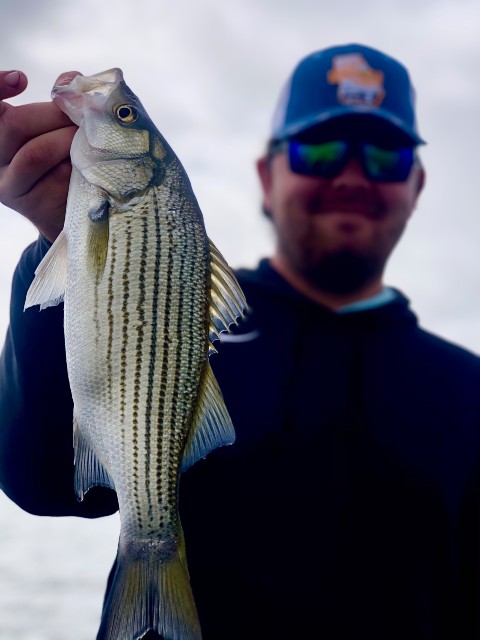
(146, 294)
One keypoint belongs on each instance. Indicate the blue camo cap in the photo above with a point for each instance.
(349, 82)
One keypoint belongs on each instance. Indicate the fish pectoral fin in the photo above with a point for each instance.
(99, 213)
(89, 471)
(212, 426)
(48, 286)
(227, 302)
(97, 242)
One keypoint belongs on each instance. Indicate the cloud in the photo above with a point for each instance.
(209, 74)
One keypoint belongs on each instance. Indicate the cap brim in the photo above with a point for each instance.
(354, 114)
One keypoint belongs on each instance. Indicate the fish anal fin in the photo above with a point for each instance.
(89, 471)
(212, 426)
(48, 286)
(227, 300)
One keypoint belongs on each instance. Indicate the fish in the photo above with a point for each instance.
(146, 294)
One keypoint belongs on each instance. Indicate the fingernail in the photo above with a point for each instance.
(12, 79)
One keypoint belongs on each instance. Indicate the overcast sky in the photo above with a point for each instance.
(209, 73)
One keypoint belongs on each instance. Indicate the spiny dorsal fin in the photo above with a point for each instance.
(212, 425)
(48, 286)
(227, 302)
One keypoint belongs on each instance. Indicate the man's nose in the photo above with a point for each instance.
(352, 175)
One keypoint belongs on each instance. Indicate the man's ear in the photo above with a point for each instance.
(421, 178)
(265, 174)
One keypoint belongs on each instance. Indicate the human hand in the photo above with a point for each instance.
(35, 163)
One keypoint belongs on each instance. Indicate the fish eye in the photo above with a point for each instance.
(125, 113)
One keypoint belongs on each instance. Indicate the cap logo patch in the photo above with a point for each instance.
(358, 83)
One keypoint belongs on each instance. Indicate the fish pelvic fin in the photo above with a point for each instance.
(212, 426)
(227, 302)
(148, 593)
(89, 471)
(48, 286)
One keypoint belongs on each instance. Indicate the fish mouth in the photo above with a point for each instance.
(71, 97)
(98, 83)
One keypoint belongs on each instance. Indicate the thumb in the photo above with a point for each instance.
(12, 83)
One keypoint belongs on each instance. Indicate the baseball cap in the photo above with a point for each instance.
(347, 84)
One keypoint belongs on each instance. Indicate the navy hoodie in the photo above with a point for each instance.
(348, 505)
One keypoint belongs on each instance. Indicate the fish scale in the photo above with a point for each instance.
(146, 294)
(159, 426)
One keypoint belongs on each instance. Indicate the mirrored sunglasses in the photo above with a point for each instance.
(328, 159)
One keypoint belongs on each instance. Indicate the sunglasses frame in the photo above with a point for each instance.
(353, 149)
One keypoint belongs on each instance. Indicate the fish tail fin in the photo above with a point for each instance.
(148, 593)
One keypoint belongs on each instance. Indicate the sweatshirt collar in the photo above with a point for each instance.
(385, 296)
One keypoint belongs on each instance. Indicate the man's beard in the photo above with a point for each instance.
(344, 272)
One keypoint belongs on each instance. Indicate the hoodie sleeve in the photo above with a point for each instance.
(36, 441)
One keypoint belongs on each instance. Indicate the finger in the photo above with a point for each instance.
(12, 83)
(20, 124)
(51, 192)
(33, 161)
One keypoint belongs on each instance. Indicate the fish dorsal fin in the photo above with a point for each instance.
(48, 286)
(227, 302)
(89, 471)
(212, 426)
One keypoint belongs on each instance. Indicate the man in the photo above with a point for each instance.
(349, 504)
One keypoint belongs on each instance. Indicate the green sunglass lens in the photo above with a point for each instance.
(317, 159)
(387, 164)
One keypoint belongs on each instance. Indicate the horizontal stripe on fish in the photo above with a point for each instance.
(172, 293)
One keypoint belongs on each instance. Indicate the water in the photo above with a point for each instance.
(53, 573)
